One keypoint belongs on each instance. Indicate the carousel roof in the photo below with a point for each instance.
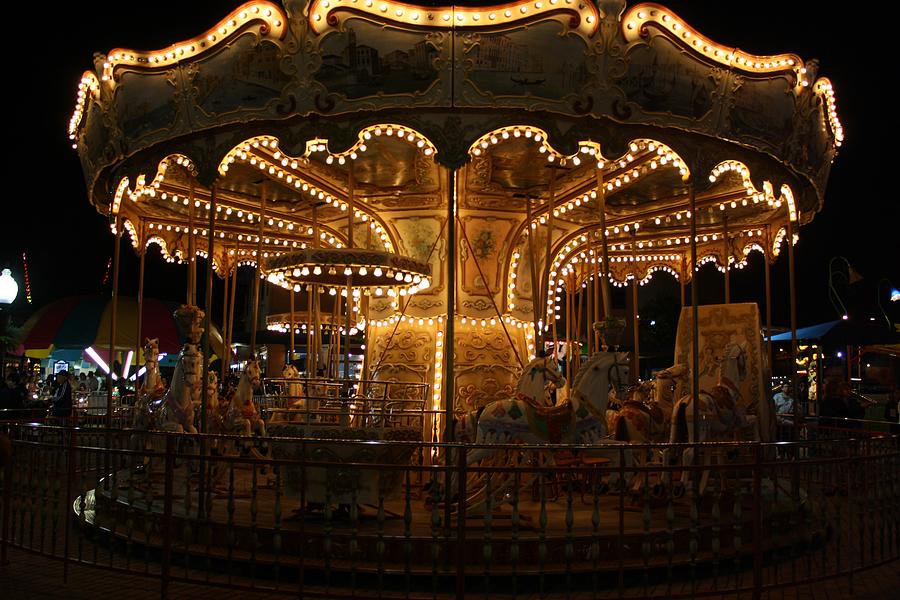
(292, 118)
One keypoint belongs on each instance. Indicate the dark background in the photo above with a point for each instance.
(46, 212)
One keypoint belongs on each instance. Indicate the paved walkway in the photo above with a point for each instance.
(32, 577)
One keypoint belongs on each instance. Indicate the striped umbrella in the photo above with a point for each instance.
(78, 322)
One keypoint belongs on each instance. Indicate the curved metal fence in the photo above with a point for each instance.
(326, 517)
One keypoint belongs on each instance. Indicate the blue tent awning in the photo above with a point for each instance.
(813, 332)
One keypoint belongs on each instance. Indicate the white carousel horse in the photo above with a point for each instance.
(295, 397)
(243, 416)
(178, 405)
(721, 416)
(580, 419)
(531, 389)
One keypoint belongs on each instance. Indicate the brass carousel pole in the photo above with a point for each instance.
(207, 335)
(192, 250)
(682, 279)
(597, 297)
(450, 334)
(140, 301)
(580, 306)
(258, 273)
(350, 208)
(768, 276)
(291, 326)
(635, 313)
(695, 325)
(725, 259)
(117, 254)
(547, 257)
(207, 320)
(604, 247)
(570, 304)
(364, 311)
(234, 277)
(792, 284)
(591, 288)
(535, 283)
(225, 327)
(312, 327)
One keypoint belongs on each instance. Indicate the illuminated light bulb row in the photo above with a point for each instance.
(243, 153)
(637, 18)
(438, 366)
(511, 281)
(664, 157)
(823, 86)
(788, 195)
(273, 25)
(454, 16)
(285, 328)
(710, 258)
(132, 233)
(121, 189)
(250, 239)
(421, 321)
(502, 134)
(401, 132)
(657, 269)
(88, 85)
(408, 283)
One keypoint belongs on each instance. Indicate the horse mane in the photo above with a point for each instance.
(576, 381)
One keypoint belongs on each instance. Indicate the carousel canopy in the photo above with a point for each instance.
(294, 116)
(77, 322)
(515, 152)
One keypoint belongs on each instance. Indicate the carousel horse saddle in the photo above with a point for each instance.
(556, 423)
(653, 411)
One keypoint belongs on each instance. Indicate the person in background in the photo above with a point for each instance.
(784, 405)
(93, 382)
(61, 405)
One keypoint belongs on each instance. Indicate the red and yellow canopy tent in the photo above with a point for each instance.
(80, 322)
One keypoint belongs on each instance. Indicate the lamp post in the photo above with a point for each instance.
(9, 289)
(894, 295)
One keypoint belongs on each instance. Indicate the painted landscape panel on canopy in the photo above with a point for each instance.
(371, 60)
(537, 61)
(247, 74)
(661, 78)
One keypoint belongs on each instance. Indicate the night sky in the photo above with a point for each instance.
(68, 244)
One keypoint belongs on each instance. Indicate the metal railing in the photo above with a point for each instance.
(333, 517)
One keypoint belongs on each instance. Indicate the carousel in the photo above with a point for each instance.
(460, 188)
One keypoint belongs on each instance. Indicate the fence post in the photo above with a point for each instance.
(167, 516)
(71, 470)
(757, 523)
(7, 500)
(461, 523)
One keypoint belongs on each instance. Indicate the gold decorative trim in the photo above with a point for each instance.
(577, 14)
(272, 23)
(89, 85)
(638, 18)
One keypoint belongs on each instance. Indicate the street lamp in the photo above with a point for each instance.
(9, 289)
(894, 294)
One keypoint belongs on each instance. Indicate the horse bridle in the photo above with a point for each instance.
(553, 375)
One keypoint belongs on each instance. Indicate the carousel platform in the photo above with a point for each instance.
(251, 519)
